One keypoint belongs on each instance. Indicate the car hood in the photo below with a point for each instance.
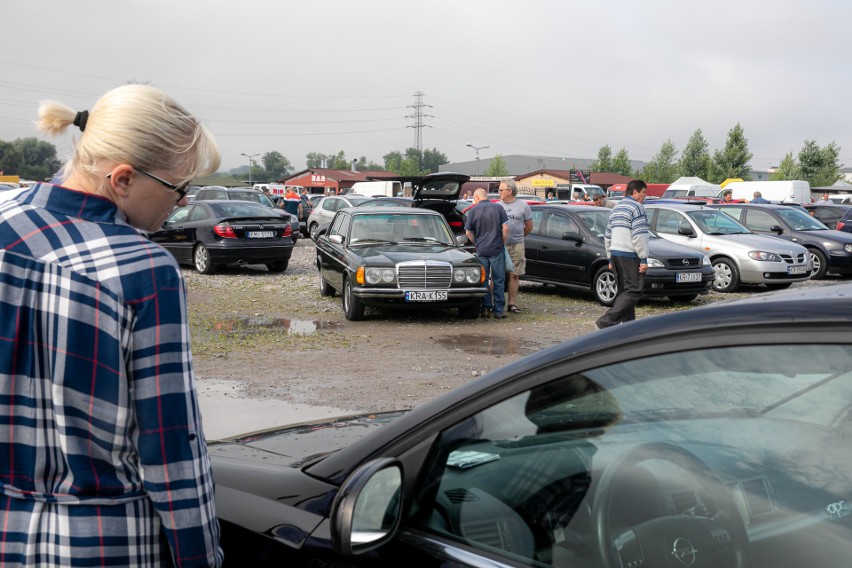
(750, 241)
(299, 444)
(393, 254)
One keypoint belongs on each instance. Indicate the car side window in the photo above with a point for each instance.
(537, 216)
(558, 225)
(180, 215)
(336, 225)
(758, 220)
(730, 210)
(197, 213)
(512, 479)
(330, 204)
(668, 222)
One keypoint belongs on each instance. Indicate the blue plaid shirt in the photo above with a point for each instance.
(102, 456)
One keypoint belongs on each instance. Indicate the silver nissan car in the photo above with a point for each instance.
(738, 255)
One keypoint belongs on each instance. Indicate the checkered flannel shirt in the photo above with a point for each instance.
(102, 456)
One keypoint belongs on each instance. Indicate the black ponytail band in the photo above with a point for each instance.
(81, 119)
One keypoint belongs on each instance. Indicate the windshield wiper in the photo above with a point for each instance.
(372, 242)
(419, 240)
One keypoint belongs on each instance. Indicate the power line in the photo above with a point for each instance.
(418, 117)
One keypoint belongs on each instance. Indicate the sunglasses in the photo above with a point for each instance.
(181, 190)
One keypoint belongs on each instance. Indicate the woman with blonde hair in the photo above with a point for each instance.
(104, 457)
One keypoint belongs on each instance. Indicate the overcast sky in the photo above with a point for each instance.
(554, 78)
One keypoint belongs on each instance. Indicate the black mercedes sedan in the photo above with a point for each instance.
(711, 437)
(209, 234)
(397, 257)
(566, 248)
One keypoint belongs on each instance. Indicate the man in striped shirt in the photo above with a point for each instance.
(626, 240)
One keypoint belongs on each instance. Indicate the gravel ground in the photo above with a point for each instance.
(275, 337)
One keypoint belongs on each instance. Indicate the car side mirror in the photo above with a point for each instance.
(571, 236)
(337, 239)
(686, 232)
(776, 229)
(367, 508)
(462, 240)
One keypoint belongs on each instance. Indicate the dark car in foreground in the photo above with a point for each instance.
(397, 257)
(566, 248)
(710, 437)
(831, 251)
(209, 234)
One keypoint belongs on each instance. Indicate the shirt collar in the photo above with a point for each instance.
(73, 203)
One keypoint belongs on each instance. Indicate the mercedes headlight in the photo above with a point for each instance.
(377, 275)
(848, 247)
(469, 274)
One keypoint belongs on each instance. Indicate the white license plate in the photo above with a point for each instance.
(429, 296)
(688, 277)
(260, 234)
(797, 269)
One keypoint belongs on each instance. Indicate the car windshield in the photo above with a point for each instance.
(252, 196)
(356, 201)
(800, 221)
(594, 220)
(399, 227)
(781, 381)
(714, 222)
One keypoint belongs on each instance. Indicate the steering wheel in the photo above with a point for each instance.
(674, 540)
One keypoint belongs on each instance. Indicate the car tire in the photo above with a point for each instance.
(727, 275)
(202, 261)
(276, 267)
(312, 230)
(353, 308)
(326, 290)
(684, 299)
(605, 286)
(820, 263)
(470, 311)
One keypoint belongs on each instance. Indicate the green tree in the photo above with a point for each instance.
(315, 160)
(621, 163)
(497, 167)
(819, 166)
(364, 166)
(393, 161)
(787, 169)
(663, 165)
(433, 159)
(29, 158)
(276, 166)
(733, 160)
(695, 160)
(604, 161)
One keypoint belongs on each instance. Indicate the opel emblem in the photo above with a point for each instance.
(685, 262)
(684, 552)
(261, 227)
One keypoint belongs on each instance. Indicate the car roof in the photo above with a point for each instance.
(660, 204)
(367, 210)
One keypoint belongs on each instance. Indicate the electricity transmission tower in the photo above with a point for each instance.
(418, 117)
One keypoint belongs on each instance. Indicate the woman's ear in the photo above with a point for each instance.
(120, 179)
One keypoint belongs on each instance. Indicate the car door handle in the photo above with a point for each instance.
(543, 247)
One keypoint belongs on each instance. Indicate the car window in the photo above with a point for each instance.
(197, 213)
(520, 478)
(595, 221)
(179, 215)
(827, 214)
(714, 222)
(759, 220)
(733, 211)
(559, 224)
(206, 194)
(336, 225)
(330, 204)
(668, 222)
(537, 216)
(800, 221)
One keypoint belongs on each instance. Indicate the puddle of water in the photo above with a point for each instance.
(251, 325)
(488, 345)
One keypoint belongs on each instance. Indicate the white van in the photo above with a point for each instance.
(781, 191)
(691, 187)
(377, 188)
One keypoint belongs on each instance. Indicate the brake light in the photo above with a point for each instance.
(288, 230)
(224, 230)
(840, 225)
(456, 224)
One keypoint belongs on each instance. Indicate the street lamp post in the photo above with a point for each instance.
(477, 149)
(250, 156)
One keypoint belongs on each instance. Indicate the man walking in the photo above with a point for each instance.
(520, 225)
(486, 225)
(626, 242)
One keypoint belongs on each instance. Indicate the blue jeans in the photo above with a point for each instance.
(495, 268)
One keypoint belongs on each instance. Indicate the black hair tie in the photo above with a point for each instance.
(81, 119)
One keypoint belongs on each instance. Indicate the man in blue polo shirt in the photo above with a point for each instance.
(486, 225)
